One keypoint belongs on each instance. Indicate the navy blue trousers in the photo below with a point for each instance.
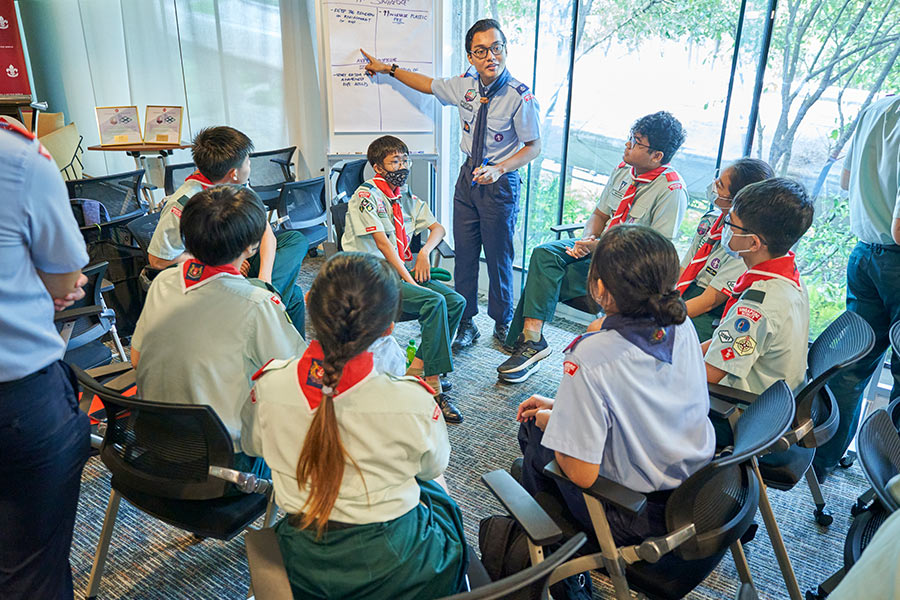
(484, 216)
(873, 292)
(44, 443)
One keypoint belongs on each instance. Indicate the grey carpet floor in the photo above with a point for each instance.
(150, 560)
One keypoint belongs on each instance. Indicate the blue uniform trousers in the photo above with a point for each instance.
(44, 443)
(485, 216)
(873, 292)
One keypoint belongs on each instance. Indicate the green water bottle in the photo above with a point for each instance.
(410, 352)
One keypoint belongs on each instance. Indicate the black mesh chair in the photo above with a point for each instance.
(895, 338)
(301, 206)
(269, 171)
(119, 193)
(141, 230)
(347, 177)
(173, 462)
(175, 175)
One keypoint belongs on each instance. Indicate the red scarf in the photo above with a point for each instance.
(700, 257)
(310, 373)
(399, 229)
(628, 199)
(198, 176)
(782, 267)
(194, 272)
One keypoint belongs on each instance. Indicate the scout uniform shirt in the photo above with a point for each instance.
(763, 337)
(513, 115)
(202, 334)
(615, 407)
(369, 210)
(721, 271)
(166, 242)
(389, 425)
(659, 204)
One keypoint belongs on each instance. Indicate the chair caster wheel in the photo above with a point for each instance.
(857, 509)
(814, 595)
(847, 461)
(823, 518)
(312, 253)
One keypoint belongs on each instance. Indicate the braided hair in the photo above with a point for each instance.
(353, 300)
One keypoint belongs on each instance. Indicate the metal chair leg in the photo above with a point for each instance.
(611, 559)
(784, 561)
(822, 517)
(271, 512)
(740, 562)
(115, 336)
(109, 522)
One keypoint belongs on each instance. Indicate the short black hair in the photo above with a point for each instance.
(482, 25)
(380, 148)
(778, 210)
(217, 150)
(746, 171)
(663, 132)
(220, 222)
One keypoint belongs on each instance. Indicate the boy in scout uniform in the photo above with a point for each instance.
(708, 273)
(222, 155)
(644, 189)
(205, 328)
(764, 333)
(381, 217)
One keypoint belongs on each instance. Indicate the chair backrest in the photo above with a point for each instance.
(142, 229)
(304, 202)
(175, 176)
(351, 177)
(88, 329)
(339, 220)
(878, 447)
(119, 193)
(532, 582)
(159, 448)
(272, 168)
(895, 338)
(893, 410)
(763, 423)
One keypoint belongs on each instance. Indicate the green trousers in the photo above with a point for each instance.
(438, 309)
(290, 250)
(553, 277)
(417, 556)
(706, 323)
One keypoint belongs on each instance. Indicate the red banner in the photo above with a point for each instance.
(13, 71)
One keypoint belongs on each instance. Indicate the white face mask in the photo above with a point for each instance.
(713, 197)
(727, 234)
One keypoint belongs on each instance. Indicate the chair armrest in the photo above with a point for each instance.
(268, 577)
(605, 489)
(110, 370)
(282, 162)
(538, 526)
(720, 408)
(653, 549)
(106, 286)
(732, 395)
(445, 250)
(569, 228)
(245, 482)
(72, 314)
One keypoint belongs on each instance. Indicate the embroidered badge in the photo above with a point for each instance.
(371, 229)
(727, 353)
(366, 205)
(725, 337)
(703, 228)
(522, 88)
(275, 300)
(467, 106)
(176, 211)
(436, 414)
(658, 336)
(365, 195)
(527, 97)
(316, 374)
(714, 263)
(744, 345)
(498, 137)
(465, 127)
(746, 311)
(195, 272)
(731, 285)
(570, 368)
(742, 325)
(470, 95)
(675, 186)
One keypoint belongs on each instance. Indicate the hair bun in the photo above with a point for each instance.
(668, 308)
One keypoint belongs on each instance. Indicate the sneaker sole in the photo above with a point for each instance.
(518, 377)
(533, 360)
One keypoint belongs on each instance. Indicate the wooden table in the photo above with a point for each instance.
(138, 152)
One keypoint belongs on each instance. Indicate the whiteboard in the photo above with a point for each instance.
(359, 108)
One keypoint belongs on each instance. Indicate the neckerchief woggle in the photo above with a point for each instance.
(480, 132)
(782, 268)
(311, 373)
(628, 199)
(399, 228)
(701, 256)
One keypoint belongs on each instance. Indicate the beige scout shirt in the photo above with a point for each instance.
(721, 270)
(370, 210)
(202, 344)
(389, 425)
(659, 204)
(166, 242)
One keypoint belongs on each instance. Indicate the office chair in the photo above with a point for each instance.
(175, 175)
(301, 206)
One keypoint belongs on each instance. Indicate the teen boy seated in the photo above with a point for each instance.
(708, 272)
(381, 217)
(764, 334)
(222, 155)
(205, 328)
(643, 190)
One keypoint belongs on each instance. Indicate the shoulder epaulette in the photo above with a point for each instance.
(754, 296)
(578, 340)
(20, 130)
(264, 285)
(182, 200)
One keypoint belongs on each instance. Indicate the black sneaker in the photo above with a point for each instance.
(524, 355)
(520, 375)
(446, 386)
(500, 332)
(515, 469)
(466, 335)
(451, 413)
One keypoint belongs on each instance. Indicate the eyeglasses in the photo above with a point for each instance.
(399, 163)
(496, 49)
(631, 140)
(731, 224)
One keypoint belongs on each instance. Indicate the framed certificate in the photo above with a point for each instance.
(118, 125)
(162, 124)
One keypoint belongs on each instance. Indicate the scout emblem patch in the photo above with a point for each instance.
(727, 353)
(194, 272)
(498, 137)
(742, 325)
(746, 311)
(316, 374)
(725, 337)
(703, 228)
(366, 205)
(570, 368)
(470, 95)
(744, 345)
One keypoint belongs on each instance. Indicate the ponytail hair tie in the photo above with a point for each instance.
(327, 390)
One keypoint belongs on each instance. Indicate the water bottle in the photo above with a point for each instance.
(410, 352)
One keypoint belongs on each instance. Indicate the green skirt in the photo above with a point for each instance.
(420, 555)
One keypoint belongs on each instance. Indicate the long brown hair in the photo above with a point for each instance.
(353, 300)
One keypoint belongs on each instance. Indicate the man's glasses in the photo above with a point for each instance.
(496, 49)
(402, 163)
(633, 141)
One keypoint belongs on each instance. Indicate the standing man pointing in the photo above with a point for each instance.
(500, 133)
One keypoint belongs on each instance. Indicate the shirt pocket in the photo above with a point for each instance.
(638, 213)
(500, 130)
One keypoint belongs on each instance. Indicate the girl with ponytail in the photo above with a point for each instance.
(632, 405)
(356, 454)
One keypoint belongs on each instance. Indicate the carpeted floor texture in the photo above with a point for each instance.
(148, 559)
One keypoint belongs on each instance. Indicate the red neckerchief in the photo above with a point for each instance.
(194, 272)
(200, 177)
(700, 257)
(782, 267)
(399, 229)
(310, 373)
(628, 199)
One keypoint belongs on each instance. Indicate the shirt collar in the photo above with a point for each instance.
(385, 188)
(200, 178)
(644, 333)
(195, 274)
(310, 373)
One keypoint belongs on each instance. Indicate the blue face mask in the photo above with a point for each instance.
(725, 242)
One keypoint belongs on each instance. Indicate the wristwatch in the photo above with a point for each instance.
(393, 72)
